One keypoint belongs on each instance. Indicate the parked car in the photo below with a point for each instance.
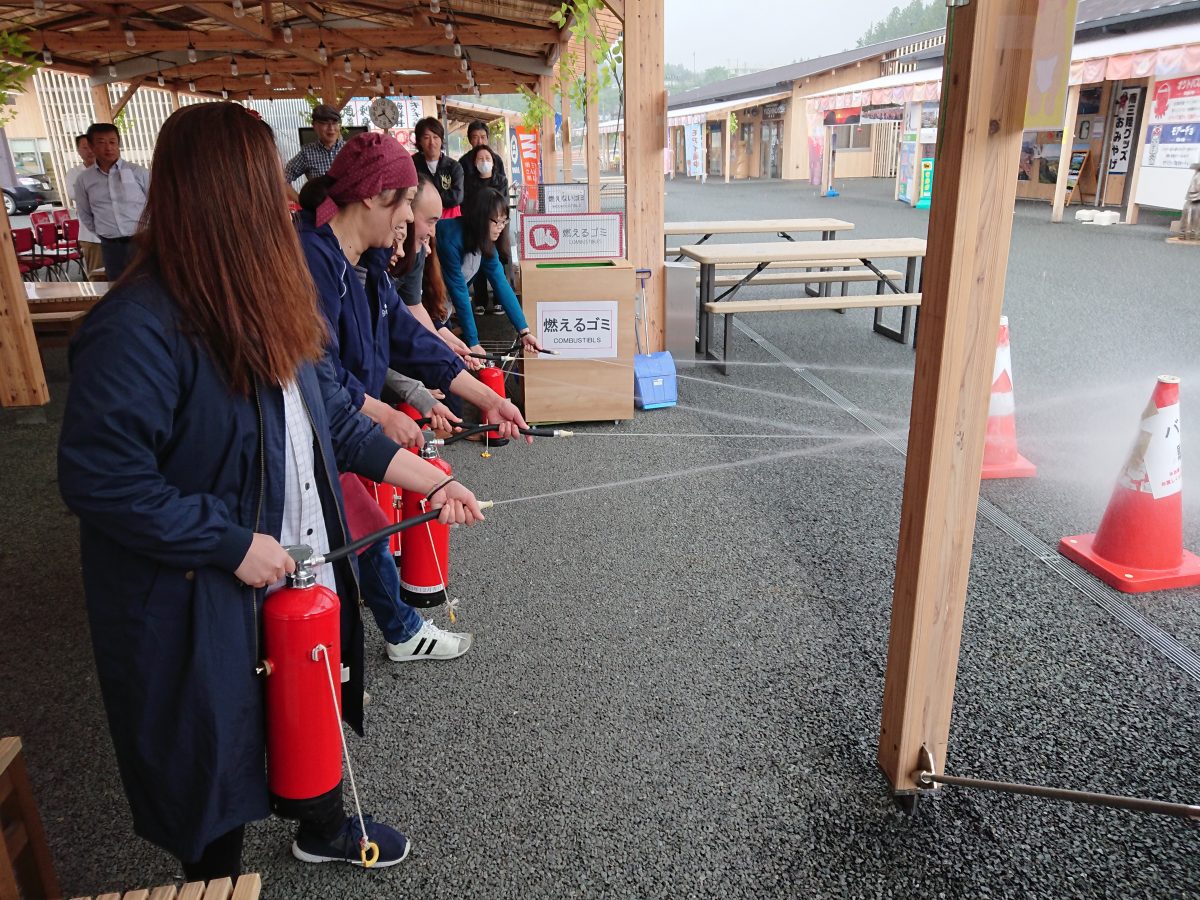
(20, 199)
(39, 184)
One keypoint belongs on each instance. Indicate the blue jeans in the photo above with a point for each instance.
(380, 582)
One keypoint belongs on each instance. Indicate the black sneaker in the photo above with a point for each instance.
(393, 846)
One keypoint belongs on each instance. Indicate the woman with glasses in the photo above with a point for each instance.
(467, 246)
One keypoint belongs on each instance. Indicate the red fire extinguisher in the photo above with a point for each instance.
(303, 665)
(493, 377)
(424, 550)
(388, 497)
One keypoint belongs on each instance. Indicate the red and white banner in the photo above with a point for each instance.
(572, 236)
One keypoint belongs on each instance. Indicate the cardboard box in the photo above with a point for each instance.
(593, 379)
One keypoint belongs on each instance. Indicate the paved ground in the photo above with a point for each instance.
(675, 690)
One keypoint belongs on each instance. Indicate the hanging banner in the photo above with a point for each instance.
(1125, 110)
(529, 155)
(1053, 38)
(572, 236)
(693, 136)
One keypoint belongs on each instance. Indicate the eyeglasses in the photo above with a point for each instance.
(500, 222)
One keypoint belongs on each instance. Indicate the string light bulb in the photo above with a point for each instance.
(322, 53)
(391, 89)
(346, 65)
(435, 7)
(130, 37)
(239, 8)
(366, 76)
(233, 67)
(112, 70)
(161, 81)
(192, 86)
(266, 77)
(291, 85)
(476, 90)
(458, 49)
(224, 94)
(47, 56)
(448, 30)
(379, 83)
(463, 64)
(39, 6)
(287, 34)
(191, 51)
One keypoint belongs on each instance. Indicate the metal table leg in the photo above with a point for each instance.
(707, 278)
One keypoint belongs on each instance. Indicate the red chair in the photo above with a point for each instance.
(40, 218)
(61, 215)
(29, 260)
(68, 236)
(55, 252)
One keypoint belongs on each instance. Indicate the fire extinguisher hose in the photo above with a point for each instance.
(480, 429)
(374, 536)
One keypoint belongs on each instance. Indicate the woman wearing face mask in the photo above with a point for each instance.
(466, 246)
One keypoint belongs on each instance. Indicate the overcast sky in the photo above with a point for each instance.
(762, 34)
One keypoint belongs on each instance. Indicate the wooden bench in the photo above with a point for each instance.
(731, 308)
(54, 329)
(247, 888)
(26, 869)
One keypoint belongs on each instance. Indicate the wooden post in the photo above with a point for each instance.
(1135, 170)
(645, 128)
(329, 93)
(592, 140)
(568, 161)
(549, 154)
(970, 229)
(827, 162)
(727, 140)
(1064, 155)
(22, 380)
(101, 104)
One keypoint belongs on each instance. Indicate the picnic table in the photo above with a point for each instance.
(785, 228)
(806, 253)
(58, 308)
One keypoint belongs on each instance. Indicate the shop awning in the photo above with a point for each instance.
(689, 115)
(1167, 52)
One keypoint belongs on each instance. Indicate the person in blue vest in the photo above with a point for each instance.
(203, 431)
(467, 246)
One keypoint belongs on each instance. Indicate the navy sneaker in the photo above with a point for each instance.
(393, 846)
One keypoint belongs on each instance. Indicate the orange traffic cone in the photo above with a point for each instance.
(1000, 456)
(1139, 544)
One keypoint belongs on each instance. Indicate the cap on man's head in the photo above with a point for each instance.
(326, 113)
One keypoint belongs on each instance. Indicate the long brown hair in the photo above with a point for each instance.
(433, 288)
(217, 233)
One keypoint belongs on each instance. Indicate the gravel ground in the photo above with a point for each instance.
(675, 688)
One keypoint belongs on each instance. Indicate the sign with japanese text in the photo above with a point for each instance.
(1177, 100)
(926, 185)
(1120, 148)
(1172, 146)
(572, 236)
(564, 198)
(578, 329)
(529, 154)
(694, 141)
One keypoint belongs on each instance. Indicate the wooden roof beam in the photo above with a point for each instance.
(617, 8)
(245, 23)
(125, 98)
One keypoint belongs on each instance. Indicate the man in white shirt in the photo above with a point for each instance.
(111, 196)
(89, 246)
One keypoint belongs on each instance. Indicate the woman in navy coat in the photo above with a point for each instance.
(201, 428)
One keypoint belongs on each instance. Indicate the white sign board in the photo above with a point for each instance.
(572, 236)
(578, 329)
(1172, 142)
(564, 198)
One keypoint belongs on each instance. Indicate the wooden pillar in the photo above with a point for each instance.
(101, 104)
(174, 95)
(970, 230)
(549, 154)
(592, 138)
(329, 93)
(567, 156)
(645, 131)
(1064, 155)
(22, 380)
(727, 140)
(828, 161)
(1135, 170)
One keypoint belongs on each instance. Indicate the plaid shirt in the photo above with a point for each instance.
(312, 161)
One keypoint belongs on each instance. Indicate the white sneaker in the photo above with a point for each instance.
(431, 642)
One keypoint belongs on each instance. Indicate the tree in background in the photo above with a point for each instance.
(916, 17)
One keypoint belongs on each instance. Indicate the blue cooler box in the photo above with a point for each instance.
(654, 385)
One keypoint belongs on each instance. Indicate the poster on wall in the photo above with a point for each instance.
(1053, 36)
(1172, 142)
(1125, 109)
(693, 136)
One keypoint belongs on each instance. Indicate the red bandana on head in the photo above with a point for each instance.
(368, 164)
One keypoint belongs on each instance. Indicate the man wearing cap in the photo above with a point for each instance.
(314, 159)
